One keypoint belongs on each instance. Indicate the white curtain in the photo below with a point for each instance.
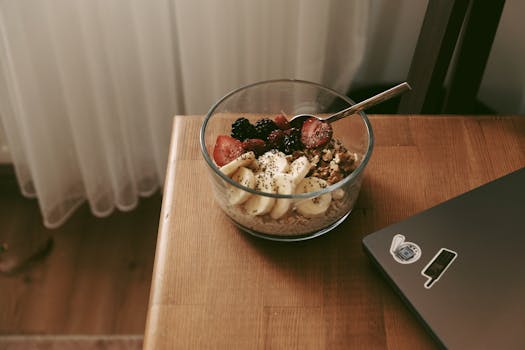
(88, 87)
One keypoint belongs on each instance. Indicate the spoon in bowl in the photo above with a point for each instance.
(383, 96)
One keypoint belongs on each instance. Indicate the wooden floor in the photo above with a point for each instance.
(94, 280)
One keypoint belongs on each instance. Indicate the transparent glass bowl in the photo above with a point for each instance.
(290, 97)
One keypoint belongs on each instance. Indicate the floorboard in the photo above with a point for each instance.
(95, 279)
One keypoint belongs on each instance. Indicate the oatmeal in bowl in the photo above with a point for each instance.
(280, 180)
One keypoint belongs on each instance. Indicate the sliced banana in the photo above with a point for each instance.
(314, 206)
(299, 169)
(338, 194)
(284, 184)
(245, 177)
(260, 205)
(243, 160)
(273, 162)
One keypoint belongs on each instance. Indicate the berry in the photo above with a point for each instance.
(226, 149)
(294, 131)
(264, 127)
(297, 123)
(242, 129)
(292, 141)
(275, 139)
(282, 123)
(258, 146)
(315, 133)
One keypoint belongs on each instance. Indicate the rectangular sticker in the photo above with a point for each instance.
(438, 265)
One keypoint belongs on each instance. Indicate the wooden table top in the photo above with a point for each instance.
(216, 287)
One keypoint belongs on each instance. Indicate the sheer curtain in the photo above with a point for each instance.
(88, 87)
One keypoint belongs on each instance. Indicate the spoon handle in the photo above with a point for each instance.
(383, 96)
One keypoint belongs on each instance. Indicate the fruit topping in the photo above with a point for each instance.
(258, 146)
(264, 127)
(276, 139)
(292, 141)
(259, 205)
(282, 123)
(299, 169)
(297, 123)
(273, 162)
(284, 184)
(245, 177)
(226, 149)
(245, 159)
(242, 129)
(315, 133)
(314, 206)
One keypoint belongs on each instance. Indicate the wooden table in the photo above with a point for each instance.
(216, 287)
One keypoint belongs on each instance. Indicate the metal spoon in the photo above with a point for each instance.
(383, 96)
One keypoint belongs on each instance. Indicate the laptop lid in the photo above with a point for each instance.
(461, 265)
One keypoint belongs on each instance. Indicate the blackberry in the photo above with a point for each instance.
(264, 127)
(292, 141)
(275, 139)
(242, 129)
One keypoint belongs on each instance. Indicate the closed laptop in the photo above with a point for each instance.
(460, 266)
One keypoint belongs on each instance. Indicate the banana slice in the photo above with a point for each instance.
(273, 162)
(260, 205)
(243, 160)
(284, 184)
(338, 194)
(314, 206)
(299, 168)
(245, 177)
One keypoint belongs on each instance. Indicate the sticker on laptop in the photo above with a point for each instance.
(437, 266)
(404, 252)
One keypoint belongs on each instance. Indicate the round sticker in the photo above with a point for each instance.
(404, 252)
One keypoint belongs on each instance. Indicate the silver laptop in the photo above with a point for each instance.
(461, 265)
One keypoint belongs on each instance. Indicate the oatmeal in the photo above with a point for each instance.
(275, 157)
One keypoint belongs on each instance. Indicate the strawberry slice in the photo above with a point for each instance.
(226, 149)
(315, 133)
(282, 122)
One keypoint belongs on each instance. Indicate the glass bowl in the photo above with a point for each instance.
(268, 99)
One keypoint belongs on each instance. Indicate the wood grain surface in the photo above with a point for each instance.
(95, 279)
(216, 287)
